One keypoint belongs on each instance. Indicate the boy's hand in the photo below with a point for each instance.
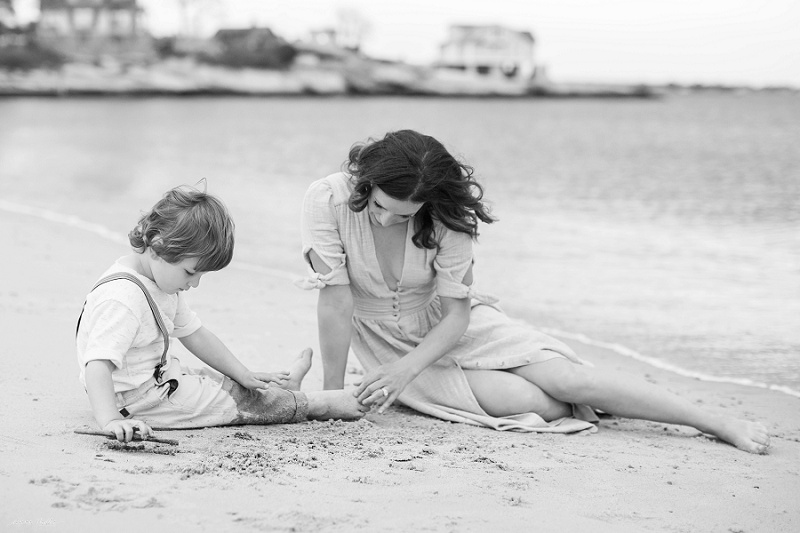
(261, 380)
(124, 429)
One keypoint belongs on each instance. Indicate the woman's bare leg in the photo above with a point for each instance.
(627, 396)
(519, 395)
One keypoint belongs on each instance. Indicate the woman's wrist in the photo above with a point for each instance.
(409, 368)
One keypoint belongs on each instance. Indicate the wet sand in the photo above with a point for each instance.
(401, 471)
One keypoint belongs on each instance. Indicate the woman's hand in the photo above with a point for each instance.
(124, 429)
(262, 380)
(382, 385)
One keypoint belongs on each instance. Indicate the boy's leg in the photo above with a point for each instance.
(333, 405)
(206, 398)
(297, 372)
(264, 406)
(323, 405)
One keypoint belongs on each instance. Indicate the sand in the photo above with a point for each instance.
(401, 471)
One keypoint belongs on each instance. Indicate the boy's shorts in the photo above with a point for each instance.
(206, 398)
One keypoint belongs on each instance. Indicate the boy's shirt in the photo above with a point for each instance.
(118, 326)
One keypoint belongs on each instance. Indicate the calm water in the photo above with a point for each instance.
(670, 229)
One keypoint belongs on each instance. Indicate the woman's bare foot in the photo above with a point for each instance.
(748, 436)
(298, 371)
(334, 404)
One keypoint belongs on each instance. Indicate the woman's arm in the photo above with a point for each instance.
(334, 321)
(442, 337)
(394, 377)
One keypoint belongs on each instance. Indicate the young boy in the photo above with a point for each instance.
(123, 336)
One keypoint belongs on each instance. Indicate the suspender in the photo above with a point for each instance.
(153, 308)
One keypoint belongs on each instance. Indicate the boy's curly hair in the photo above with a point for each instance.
(187, 223)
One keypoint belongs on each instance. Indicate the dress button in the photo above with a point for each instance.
(478, 364)
(502, 363)
(527, 359)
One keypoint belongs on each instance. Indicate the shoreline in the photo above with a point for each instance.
(363, 78)
(397, 472)
(666, 366)
(584, 340)
(208, 93)
(185, 79)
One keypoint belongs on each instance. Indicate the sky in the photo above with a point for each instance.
(734, 42)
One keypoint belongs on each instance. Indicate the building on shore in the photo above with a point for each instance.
(492, 51)
(8, 18)
(252, 47)
(96, 30)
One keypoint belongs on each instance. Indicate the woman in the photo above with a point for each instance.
(389, 243)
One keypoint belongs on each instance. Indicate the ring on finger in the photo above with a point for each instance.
(385, 392)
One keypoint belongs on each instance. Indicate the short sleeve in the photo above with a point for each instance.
(186, 321)
(452, 262)
(111, 331)
(321, 233)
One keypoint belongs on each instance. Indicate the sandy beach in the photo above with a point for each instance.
(398, 472)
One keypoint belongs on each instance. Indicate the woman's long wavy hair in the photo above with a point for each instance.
(412, 167)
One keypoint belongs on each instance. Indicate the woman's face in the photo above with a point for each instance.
(386, 211)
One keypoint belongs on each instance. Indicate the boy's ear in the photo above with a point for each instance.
(155, 241)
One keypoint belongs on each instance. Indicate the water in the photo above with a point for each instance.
(668, 230)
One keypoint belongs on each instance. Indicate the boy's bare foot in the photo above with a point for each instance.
(334, 404)
(298, 370)
(748, 436)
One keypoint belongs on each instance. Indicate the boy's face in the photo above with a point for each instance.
(174, 277)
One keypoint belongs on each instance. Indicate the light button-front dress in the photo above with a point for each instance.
(388, 324)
